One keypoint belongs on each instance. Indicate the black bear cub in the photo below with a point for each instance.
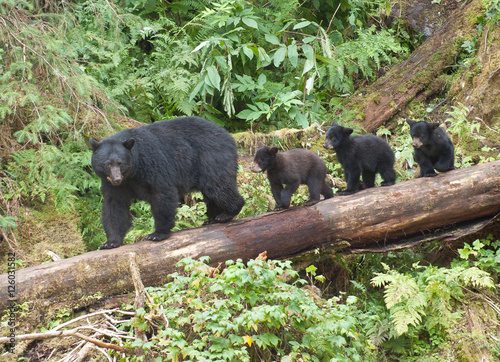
(159, 163)
(292, 169)
(364, 155)
(433, 148)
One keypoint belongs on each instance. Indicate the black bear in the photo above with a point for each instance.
(433, 148)
(292, 168)
(161, 162)
(364, 155)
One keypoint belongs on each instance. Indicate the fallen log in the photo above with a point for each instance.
(375, 217)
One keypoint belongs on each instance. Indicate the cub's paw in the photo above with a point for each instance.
(110, 244)
(430, 174)
(311, 202)
(280, 208)
(346, 192)
(157, 236)
(223, 217)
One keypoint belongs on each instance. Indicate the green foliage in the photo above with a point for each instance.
(427, 297)
(58, 172)
(253, 312)
(466, 137)
(401, 143)
(493, 10)
(483, 254)
(159, 65)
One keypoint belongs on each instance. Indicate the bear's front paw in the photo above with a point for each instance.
(430, 174)
(157, 236)
(387, 183)
(346, 192)
(223, 217)
(311, 202)
(110, 244)
(280, 208)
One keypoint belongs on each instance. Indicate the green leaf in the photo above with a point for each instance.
(262, 79)
(273, 39)
(195, 91)
(248, 52)
(308, 65)
(213, 77)
(201, 45)
(308, 39)
(293, 54)
(250, 22)
(279, 56)
(311, 269)
(308, 51)
(301, 25)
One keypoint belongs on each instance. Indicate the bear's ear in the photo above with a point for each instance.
(273, 150)
(128, 144)
(411, 122)
(260, 144)
(334, 123)
(348, 131)
(93, 143)
(433, 125)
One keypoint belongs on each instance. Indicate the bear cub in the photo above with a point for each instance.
(433, 149)
(159, 163)
(292, 169)
(364, 155)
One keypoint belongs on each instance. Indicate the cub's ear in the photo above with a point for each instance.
(128, 144)
(273, 150)
(411, 122)
(260, 144)
(334, 123)
(433, 125)
(348, 131)
(93, 143)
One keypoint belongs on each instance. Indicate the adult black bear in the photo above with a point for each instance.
(160, 162)
(433, 148)
(292, 168)
(361, 155)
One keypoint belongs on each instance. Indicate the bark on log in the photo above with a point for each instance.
(374, 217)
(420, 75)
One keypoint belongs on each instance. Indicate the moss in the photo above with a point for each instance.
(43, 230)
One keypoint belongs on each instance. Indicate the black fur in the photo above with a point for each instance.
(364, 155)
(161, 162)
(292, 168)
(433, 148)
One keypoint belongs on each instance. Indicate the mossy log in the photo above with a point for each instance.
(419, 76)
(370, 218)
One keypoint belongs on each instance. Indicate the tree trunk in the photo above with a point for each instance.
(370, 218)
(420, 75)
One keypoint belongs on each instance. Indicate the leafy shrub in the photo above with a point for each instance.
(253, 312)
(483, 254)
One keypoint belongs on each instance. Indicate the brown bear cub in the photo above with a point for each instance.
(292, 169)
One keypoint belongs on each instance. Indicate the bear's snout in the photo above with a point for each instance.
(115, 176)
(417, 142)
(255, 168)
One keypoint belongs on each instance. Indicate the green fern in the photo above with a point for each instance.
(427, 296)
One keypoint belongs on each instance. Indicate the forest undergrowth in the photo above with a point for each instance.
(88, 68)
